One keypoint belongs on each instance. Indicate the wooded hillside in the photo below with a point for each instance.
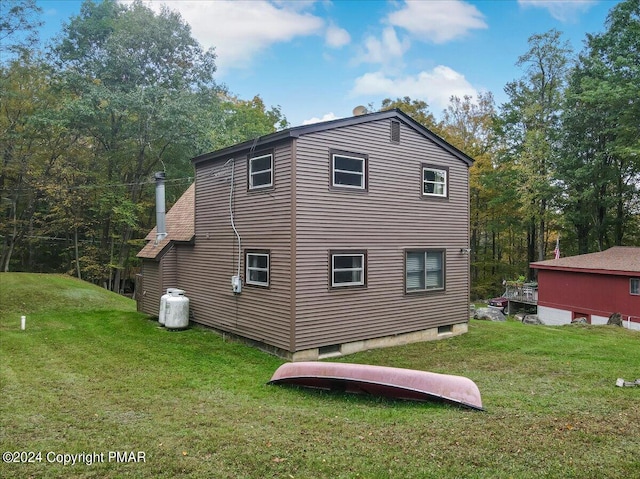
(125, 92)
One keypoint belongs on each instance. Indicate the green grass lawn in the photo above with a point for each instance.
(91, 375)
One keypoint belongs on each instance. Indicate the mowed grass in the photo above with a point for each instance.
(91, 375)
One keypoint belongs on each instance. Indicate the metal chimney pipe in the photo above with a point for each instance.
(161, 229)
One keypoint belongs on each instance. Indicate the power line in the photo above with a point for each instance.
(186, 180)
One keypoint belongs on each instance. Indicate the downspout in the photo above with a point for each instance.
(236, 283)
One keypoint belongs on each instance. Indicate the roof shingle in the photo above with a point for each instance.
(180, 224)
(619, 259)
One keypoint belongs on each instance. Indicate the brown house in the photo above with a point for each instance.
(345, 235)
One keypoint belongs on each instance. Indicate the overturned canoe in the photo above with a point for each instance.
(384, 381)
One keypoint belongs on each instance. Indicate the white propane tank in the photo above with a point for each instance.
(163, 306)
(177, 312)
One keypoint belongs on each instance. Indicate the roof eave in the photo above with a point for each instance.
(297, 131)
(574, 269)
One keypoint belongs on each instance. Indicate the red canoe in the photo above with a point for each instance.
(385, 381)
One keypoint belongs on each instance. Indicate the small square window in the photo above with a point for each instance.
(257, 268)
(434, 181)
(424, 270)
(348, 171)
(347, 269)
(261, 172)
(634, 286)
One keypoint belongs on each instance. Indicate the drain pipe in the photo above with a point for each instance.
(161, 230)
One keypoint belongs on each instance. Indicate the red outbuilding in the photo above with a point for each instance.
(591, 286)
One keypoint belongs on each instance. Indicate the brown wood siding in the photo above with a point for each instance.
(385, 220)
(151, 288)
(169, 266)
(263, 219)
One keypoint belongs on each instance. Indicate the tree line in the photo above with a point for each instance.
(124, 92)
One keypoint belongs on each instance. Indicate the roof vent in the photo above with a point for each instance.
(395, 131)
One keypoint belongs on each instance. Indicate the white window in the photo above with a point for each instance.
(261, 172)
(424, 270)
(634, 286)
(348, 171)
(434, 181)
(257, 268)
(347, 269)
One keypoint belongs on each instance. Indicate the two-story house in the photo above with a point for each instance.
(344, 235)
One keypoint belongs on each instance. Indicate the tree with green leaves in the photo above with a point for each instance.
(244, 120)
(137, 81)
(600, 163)
(19, 24)
(468, 123)
(416, 109)
(531, 126)
(34, 138)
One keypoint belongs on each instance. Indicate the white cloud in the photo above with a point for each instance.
(438, 21)
(386, 51)
(239, 31)
(563, 10)
(327, 117)
(337, 37)
(435, 86)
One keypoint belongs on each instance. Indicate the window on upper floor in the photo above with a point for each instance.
(348, 268)
(435, 181)
(424, 270)
(260, 171)
(257, 268)
(634, 286)
(348, 170)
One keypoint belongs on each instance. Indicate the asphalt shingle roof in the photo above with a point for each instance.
(180, 224)
(621, 259)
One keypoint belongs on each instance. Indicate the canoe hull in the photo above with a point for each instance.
(397, 383)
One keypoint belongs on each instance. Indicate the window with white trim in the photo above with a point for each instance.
(261, 171)
(434, 181)
(348, 269)
(257, 268)
(348, 171)
(424, 270)
(634, 286)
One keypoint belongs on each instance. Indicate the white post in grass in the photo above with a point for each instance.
(23, 322)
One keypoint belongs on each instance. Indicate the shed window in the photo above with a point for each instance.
(348, 269)
(424, 270)
(257, 268)
(348, 171)
(261, 172)
(634, 286)
(434, 181)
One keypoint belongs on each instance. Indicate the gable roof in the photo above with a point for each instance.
(180, 224)
(297, 131)
(619, 260)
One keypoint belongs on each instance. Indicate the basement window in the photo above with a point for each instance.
(634, 286)
(445, 329)
(257, 268)
(348, 268)
(261, 172)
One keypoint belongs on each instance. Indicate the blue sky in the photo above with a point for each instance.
(318, 59)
